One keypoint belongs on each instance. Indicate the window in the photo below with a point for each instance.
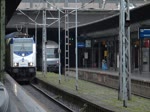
(23, 44)
(52, 52)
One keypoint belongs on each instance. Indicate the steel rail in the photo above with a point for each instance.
(51, 98)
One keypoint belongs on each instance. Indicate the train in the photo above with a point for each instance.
(20, 56)
(52, 57)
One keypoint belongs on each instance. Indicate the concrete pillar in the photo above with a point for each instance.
(2, 35)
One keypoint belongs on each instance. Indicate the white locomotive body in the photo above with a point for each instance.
(21, 58)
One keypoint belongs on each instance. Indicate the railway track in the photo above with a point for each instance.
(44, 98)
(49, 101)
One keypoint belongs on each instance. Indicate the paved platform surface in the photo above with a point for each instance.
(97, 94)
(4, 99)
(144, 76)
(21, 100)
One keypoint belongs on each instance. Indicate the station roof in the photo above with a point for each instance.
(136, 15)
(28, 18)
(11, 6)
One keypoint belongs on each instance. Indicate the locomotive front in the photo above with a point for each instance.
(23, 58)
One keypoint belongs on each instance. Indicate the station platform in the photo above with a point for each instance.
(140, 82)
(20, 99)
(97, 94)
(4, 99)
(145, 76)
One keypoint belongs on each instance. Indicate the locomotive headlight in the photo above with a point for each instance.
(30, 64)
(22, 54)
(16, 64)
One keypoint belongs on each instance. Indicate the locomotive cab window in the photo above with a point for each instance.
(22, 47)
(52, 52)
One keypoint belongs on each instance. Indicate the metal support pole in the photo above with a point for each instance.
(92, 53)
(128, 50)
(76, 50)
(36, 34)
(125, 67)
(44, 39)
(120, 54)
(140, 56)
(122, 37)
(2, 41)
(59, 46)
(99, 55)
(115, 55)
(26, 28)
(103, 5)
(66, 41)
(36, 39)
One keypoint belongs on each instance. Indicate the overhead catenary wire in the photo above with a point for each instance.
(48, 25)
(28, 16)
(39, 24)
(63, 12)
(50, 13)
(33, 20)
(37, 15)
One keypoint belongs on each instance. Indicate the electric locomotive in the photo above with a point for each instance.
(21, 57)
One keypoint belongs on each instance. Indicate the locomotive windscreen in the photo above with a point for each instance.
(52, 52)
(25, 45)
